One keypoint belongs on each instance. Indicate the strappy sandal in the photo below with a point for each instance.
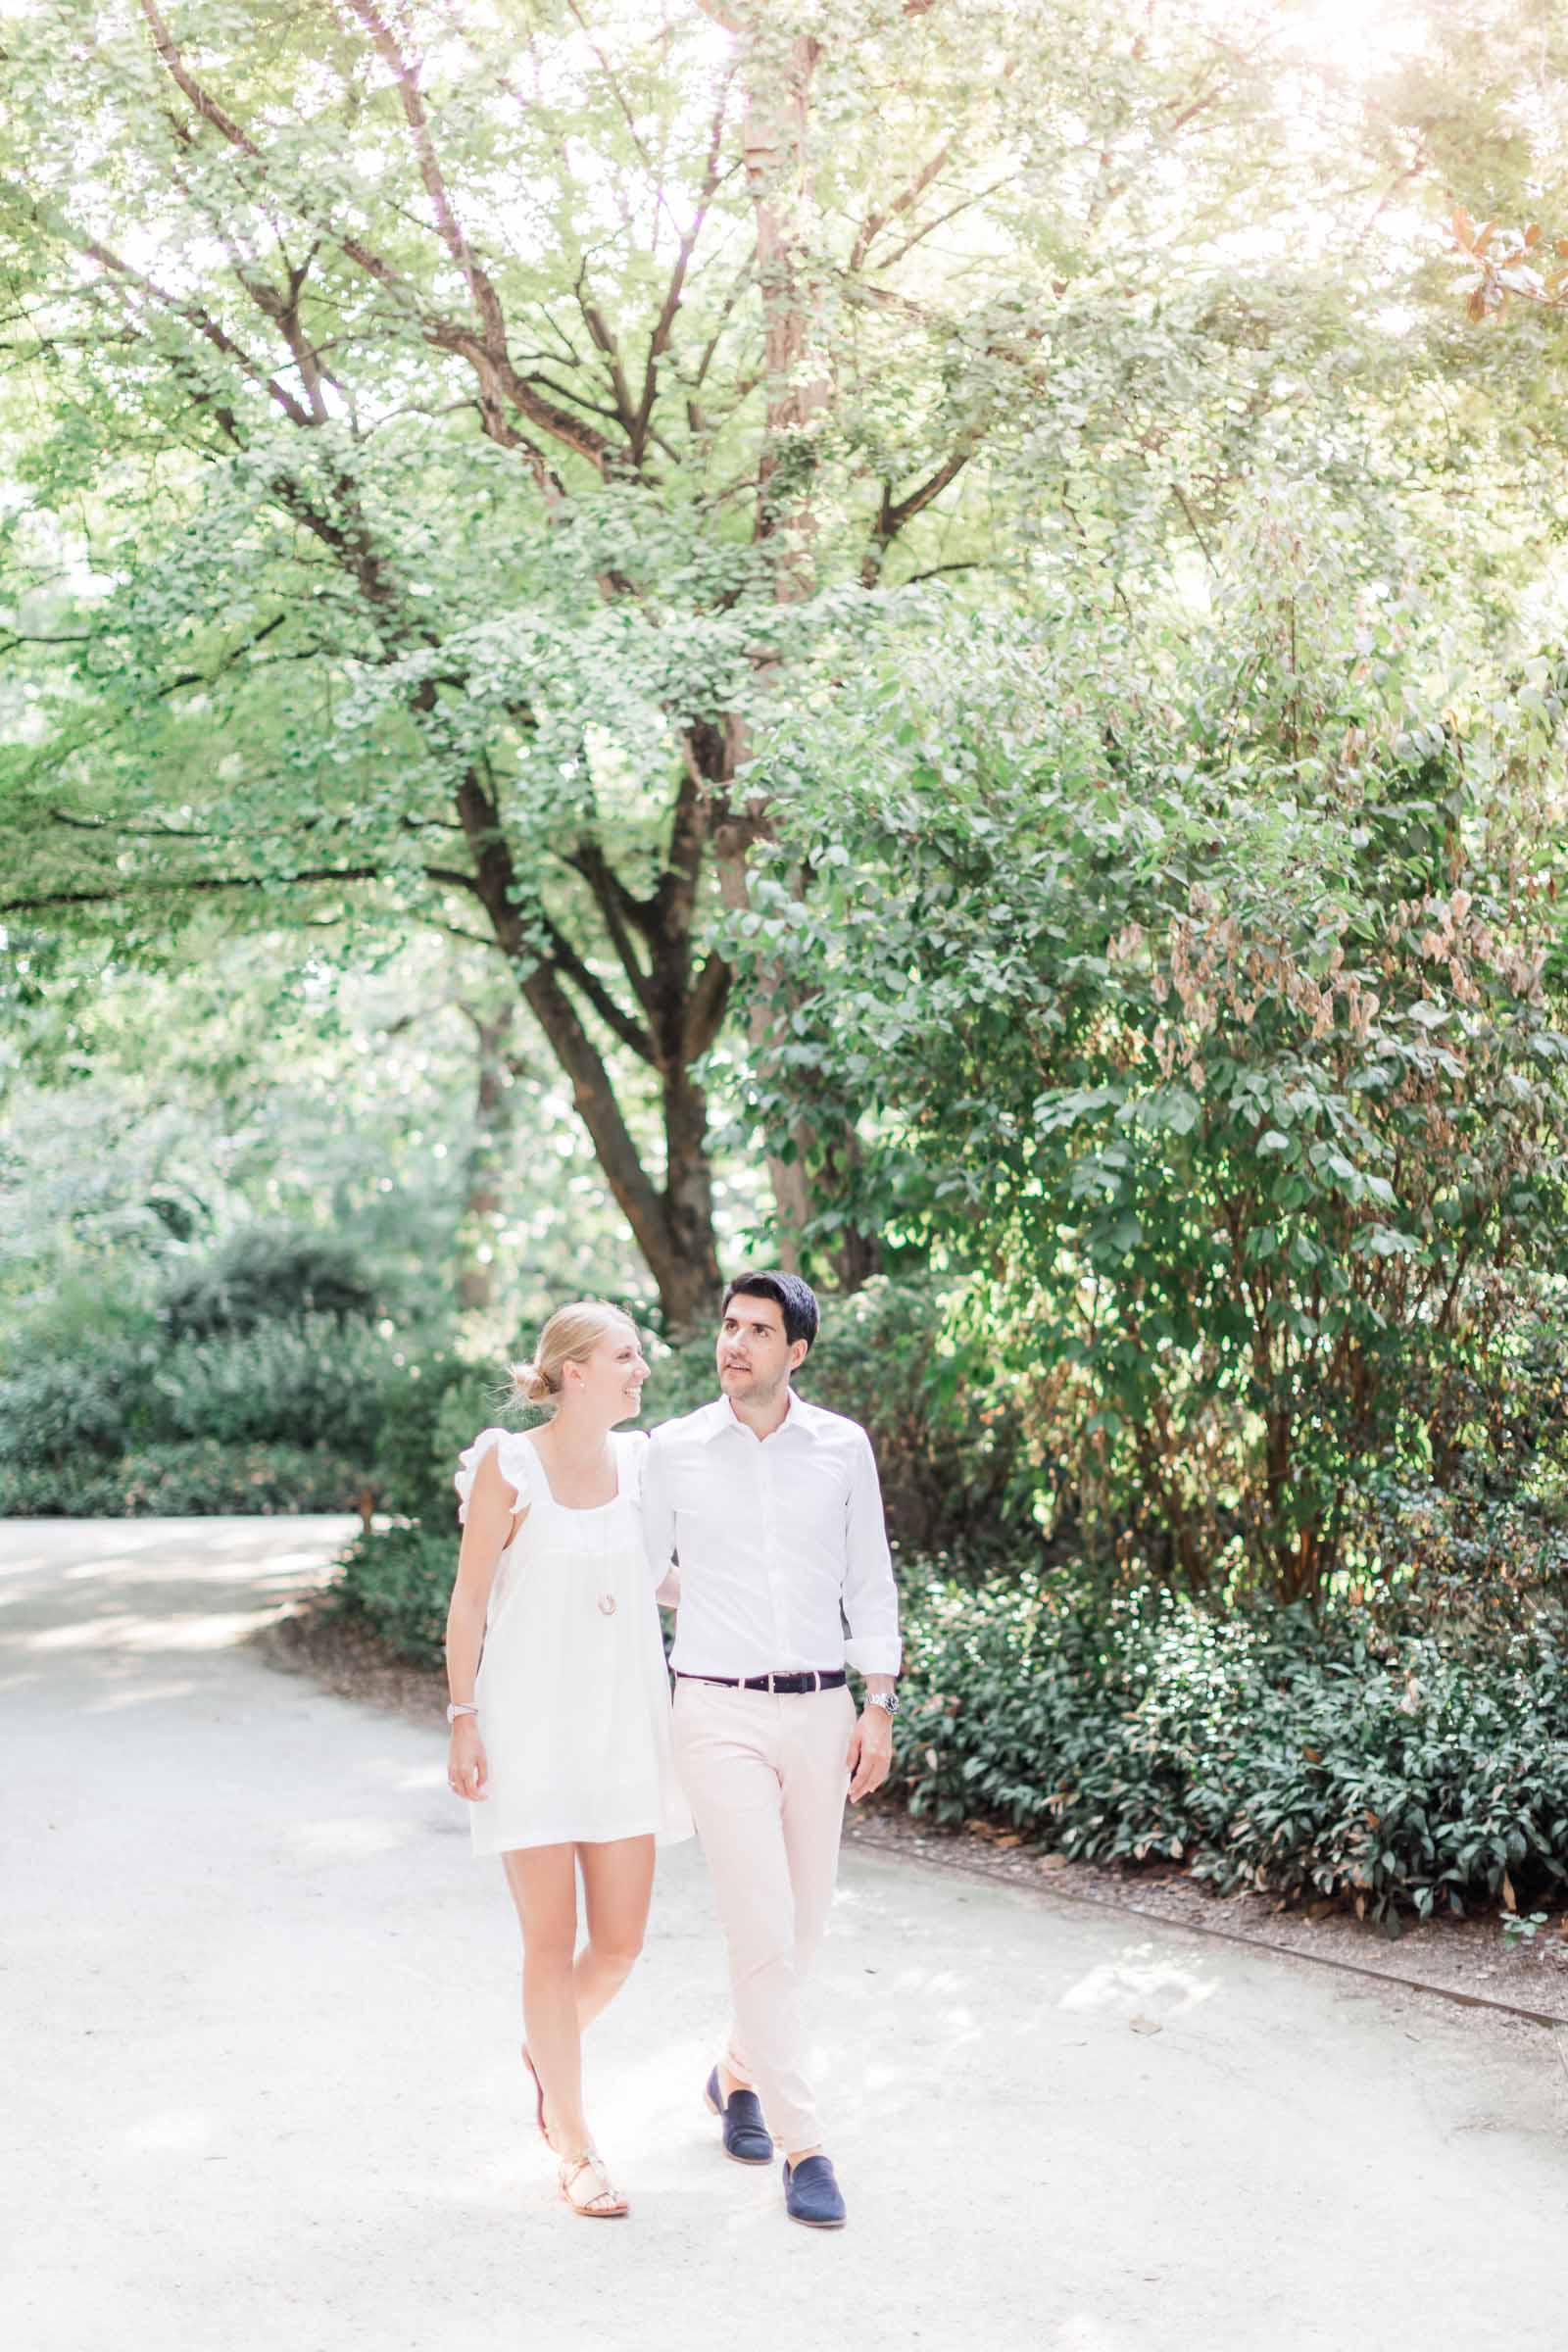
(539, 2098)
(604, 2203)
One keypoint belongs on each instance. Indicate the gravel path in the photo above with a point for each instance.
(261, 2019)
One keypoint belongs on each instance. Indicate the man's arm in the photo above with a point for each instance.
(871, 1613)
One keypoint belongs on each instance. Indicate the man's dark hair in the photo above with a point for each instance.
(795, 1299)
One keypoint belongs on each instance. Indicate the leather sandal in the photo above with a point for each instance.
(597, 2198)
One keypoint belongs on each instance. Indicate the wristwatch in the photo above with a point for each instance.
(887, 1700)
(459, 1707)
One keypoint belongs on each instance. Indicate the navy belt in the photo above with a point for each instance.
(790, 1685)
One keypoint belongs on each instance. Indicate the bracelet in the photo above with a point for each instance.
(460, 1706)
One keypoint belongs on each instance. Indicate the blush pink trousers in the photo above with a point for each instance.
(766, 1778)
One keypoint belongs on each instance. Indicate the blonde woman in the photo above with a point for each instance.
(561, 1710)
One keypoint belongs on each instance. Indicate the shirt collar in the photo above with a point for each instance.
(722, 1415)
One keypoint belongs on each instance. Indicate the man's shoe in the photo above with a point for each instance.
(811, 2194)
(746, 2138)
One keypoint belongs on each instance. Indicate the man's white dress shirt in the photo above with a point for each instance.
(779, 1541)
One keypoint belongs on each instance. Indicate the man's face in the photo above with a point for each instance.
(754, 1359)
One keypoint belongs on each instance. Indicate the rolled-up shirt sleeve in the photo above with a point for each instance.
(659, 1527)
(870, 1595)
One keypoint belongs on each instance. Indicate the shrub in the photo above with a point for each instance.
(1355, 1751)
(316, 1381)
(56, 1410)
(266, 1273)
(182, 1481)
(431, 1408)
(398, 1579)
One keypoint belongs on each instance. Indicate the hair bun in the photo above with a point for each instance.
(532, 1383)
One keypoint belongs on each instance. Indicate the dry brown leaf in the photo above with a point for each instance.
(1145, 2024)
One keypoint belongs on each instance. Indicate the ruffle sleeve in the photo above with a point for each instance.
(511, 1452)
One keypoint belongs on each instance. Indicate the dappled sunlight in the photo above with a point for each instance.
(139, 1692)
(279, 1568)
(315, 1843)
(216, 1630)
(1143, 1981)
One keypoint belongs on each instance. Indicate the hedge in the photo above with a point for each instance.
(179, 1480)
(1367, 1751)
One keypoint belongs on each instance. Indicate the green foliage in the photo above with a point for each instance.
(265, 1274)
(181, 1480)
(318, 1379)
(1355, 1753)
(55, 1409)
(328, 608)
(398, 1579)
(315, 1382)
(428, 1415)
(1213, 1013)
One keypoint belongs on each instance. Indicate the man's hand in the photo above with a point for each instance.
(870, 1752)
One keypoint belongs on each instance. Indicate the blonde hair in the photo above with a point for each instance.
(572, 1333)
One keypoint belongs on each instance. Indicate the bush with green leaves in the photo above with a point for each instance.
(56, 1409)
(266, 1273)
(1213, 1014)
(1373, 1752)
(308, 1383)
(396, 1578)
(316, 1380)
(434, 1407)
(183, 1479)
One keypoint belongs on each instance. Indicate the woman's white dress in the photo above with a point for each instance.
(572, 1693)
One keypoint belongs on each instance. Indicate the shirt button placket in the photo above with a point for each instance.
(771, 1555)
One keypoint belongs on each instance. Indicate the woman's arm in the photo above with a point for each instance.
(491, 1521)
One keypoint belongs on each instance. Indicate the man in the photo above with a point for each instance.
(772, 1510)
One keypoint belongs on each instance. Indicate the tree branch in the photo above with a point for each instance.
(895, 512)
(500, 384)
(131, 886)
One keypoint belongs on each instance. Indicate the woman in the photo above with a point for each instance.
(560, 1714)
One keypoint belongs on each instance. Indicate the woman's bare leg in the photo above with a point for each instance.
(618, 1884)
(543, 1880)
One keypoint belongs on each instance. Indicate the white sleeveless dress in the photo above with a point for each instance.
(572, 1692)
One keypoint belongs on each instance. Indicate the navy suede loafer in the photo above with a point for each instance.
(746, 2138)
(811, 2194)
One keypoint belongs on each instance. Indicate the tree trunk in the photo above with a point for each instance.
(689, 1293)
(495, 1119)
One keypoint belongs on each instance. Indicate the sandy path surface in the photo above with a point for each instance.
(260, 2019)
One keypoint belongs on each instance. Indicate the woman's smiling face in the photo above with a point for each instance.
(610, 1378)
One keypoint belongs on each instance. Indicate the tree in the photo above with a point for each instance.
(457, 430)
